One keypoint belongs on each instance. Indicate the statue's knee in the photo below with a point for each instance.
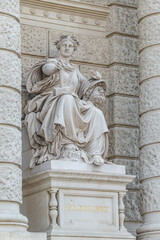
(67, 98)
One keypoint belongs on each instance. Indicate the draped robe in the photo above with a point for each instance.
(56, 116)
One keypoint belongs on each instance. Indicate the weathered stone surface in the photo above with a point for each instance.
(123, 80)
(10, 70)
(98, 2)
(85, 52)
(10, 107)
(123, 110)
(150, 95)
(10, 8)
(132, 168)
(123, 142)
(34, 40)
(122, 20)
(149, 31)
(123, 50)
(27, 63)
(10, 140)
(148, 7)
(133, 206)
(150, 191)
(149, 63)
(150, 130)
(10, 183)
(10, 34)
(149, 161)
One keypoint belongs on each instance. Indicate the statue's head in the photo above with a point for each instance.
(67, 45)
(67, 38)
(94, 91)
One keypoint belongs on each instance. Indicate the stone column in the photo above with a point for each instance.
(10, 119)
(149, 50)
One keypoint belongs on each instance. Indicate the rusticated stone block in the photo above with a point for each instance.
(123, 110)
(10, 7)
(150, 191)
(123, 142)
(10, 107)
(149, 161)
(27, 63)
(150, 130)
(122, 20)
(10, 34)
(91, 49)
(149, 63)
(10, 182)
(150, 95)
(34, 40)
(87, 70)
(123, 80)
(123, 50)
(132, 203)
(132, 168)
(148, 7)
(10, 142)
(10, 70)
(131, 3)
(149, 32)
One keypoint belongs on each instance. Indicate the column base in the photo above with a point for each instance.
(22, 236)
(10, 217)
(149, 232)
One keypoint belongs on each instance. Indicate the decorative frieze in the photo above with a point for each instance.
(86, 17)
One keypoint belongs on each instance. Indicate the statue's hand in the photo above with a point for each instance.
(96, 75)
(59, 65)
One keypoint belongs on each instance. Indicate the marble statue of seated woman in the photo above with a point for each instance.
(63, 119)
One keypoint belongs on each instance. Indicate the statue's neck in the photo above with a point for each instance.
(64, 60)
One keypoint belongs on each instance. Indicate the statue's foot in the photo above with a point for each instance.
(97, 160)
(108, 162)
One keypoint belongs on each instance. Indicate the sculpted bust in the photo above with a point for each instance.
(64, 119)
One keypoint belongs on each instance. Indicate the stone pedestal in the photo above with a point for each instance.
(73, 200)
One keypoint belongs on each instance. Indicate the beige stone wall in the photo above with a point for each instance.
(108, 45)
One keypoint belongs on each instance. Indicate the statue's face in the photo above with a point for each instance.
(97, 96)
(67, 48)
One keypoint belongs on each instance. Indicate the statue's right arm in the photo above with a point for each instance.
(49, 69)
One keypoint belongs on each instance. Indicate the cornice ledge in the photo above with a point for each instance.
(74, 175)
(69, 6)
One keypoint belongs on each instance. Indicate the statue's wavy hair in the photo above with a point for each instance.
(73, 39)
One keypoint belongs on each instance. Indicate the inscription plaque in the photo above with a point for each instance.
(88, 210)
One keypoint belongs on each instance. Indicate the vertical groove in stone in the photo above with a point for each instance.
(149, 120)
